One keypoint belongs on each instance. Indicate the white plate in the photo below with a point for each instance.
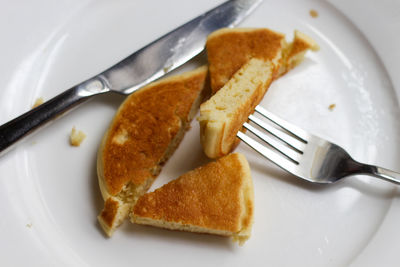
(49, 195)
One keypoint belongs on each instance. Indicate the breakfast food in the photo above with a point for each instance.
(243, 63)
(222, 116)
(76, 137)
(144, 133)
(38, 102)
(216, 198)
(313, 13)
(294, 53)
(229, 49)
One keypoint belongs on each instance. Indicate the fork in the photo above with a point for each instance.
(305, 155)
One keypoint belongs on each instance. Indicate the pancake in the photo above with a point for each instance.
(229, 49)
(294, 53)
(242, 64)
(223, 115)
(144, 133)
(216, 198)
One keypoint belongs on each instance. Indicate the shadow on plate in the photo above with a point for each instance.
(175, 237)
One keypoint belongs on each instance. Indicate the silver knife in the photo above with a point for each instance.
(142, 67)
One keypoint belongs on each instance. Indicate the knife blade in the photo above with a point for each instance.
(140, 68)
(175, 48)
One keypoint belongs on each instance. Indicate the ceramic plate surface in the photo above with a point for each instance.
(49, 196)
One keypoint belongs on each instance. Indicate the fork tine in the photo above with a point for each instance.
(288, 139)
(294, 130)
(285, 150)
(276, 158)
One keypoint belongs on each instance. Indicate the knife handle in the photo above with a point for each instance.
(18, 128)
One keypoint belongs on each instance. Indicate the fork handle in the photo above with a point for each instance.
(382, 173)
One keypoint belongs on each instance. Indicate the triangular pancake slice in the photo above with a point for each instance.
(216, 198)
(144, 133)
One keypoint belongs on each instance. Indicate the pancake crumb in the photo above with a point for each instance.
(29, 225)
(38, 102)
(167, 68)
(76, 137)
(313, 13)
(332, 107)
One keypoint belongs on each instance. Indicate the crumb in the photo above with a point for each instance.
(332, 107)
(29, 225)
(38, 102)
(313, 13)
(167, 68)
(76, 137)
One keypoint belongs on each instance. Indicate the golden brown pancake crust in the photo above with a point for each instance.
(144, 127)
(298, 46)
(109, 212)
(206, 197)
(229, 49)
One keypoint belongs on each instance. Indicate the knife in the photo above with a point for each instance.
(140, 68)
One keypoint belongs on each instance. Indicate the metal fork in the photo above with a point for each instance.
(305, 155)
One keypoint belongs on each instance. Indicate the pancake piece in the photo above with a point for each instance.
(76, 137)
(144, 133)
(216, 198)
(243, 62)
(229, 49)
(294, 53)
(223, 115)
